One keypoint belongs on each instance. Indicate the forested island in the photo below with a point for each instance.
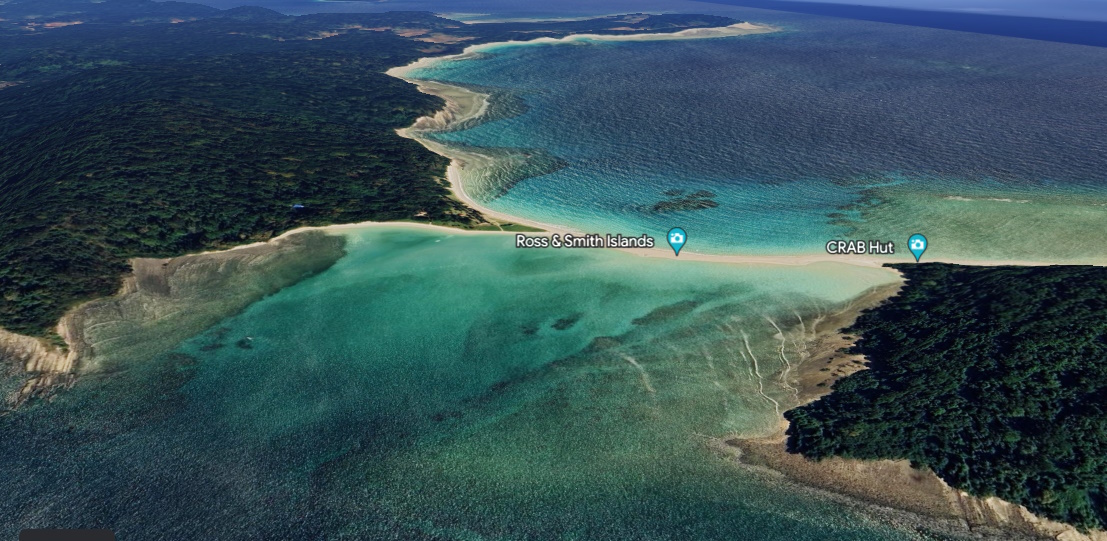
(133, 128)
(993, 377)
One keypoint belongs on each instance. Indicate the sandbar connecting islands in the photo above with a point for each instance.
(677, 238)
(464, 106)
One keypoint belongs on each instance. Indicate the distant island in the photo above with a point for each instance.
(993, 377)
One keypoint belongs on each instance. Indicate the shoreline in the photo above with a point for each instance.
(465, 105)
(160, 303)
(733, 259)
(49, 366)
(743, 28)
(918, 494)
(865, 479)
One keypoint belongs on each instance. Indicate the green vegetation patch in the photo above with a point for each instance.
(994, 377)
(154, 129)
(165, 178)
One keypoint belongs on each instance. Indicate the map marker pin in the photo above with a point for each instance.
(677, 238)
(917, 244)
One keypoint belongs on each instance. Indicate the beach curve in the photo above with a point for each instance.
(465, 105)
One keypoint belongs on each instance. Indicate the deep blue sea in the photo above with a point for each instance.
(993, 147)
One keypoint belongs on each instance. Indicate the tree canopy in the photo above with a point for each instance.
(994, 377)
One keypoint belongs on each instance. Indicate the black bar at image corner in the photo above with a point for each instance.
(66, 535)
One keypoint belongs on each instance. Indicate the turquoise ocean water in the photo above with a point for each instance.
(993, 147)
(434, 385)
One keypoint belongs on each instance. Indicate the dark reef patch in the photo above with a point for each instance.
(677, 201)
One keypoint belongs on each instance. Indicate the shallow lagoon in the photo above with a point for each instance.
(442, 385)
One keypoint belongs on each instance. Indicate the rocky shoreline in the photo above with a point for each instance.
(161, 303)
(915, 496)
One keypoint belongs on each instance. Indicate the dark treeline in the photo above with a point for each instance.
(159, 128)
(995, 378)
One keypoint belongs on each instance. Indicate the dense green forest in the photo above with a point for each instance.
(995, 378)
(135, 128)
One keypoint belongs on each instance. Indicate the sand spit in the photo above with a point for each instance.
(161, 303)
(165, 301)
(464, 106)
(181, 296)
(916, 497)
(739, 29)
